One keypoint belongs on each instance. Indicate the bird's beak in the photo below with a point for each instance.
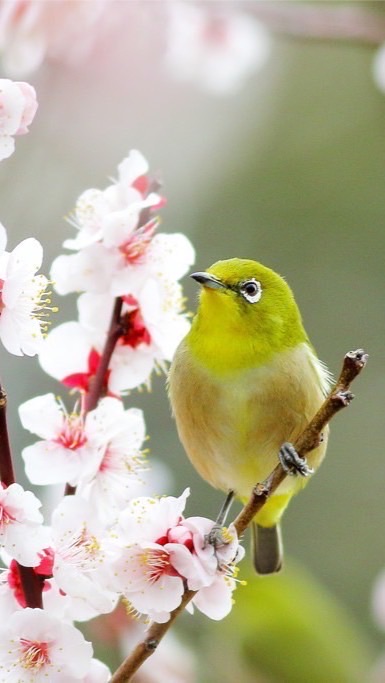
(208, 280)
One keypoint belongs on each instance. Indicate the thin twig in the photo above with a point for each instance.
(339, 398)
(7, 473)
(98, 382)
(321, 22)
(147, 647)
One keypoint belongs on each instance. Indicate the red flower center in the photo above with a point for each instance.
(72, 435)
(134, 330)
(34, 654)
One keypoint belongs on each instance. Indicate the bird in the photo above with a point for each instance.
(243, 384)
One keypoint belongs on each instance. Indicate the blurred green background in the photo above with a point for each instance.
(289, 171)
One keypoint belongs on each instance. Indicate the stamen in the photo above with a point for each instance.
(72, 435)
(157, 564)
(34, 655)
(137, 244)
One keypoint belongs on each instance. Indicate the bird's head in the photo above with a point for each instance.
(248, 302)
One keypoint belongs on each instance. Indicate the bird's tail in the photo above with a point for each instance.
(267, 548)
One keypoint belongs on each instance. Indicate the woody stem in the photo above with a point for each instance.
(31, 585)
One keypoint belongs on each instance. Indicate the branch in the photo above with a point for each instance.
(97, 389)
(32, 586)
(339, 398)
(147, 647)
(317, 22)
(7, 473)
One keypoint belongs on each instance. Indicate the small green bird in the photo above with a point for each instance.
(244, 382)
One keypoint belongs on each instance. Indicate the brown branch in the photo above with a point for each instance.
(97, 387)
(339, 398)
(318, 22)
(7, 473)
(147, 647)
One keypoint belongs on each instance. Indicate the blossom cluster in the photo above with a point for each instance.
(105, 541)
(118, 253)
(215, 47)
(18, 107)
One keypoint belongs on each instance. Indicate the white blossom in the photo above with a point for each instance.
(37, 647)
(23, 301)
(21, 532)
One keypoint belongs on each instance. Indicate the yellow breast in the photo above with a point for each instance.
(232, 426)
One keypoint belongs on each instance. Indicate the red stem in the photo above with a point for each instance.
(7, 473)
(97, 387)
(31, 584)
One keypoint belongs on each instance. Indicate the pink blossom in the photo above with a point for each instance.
(30, 30)
(119, 254)
(378, 600)
(111, 216)
(218, 49)
(118, 436)
(84, 554)
(117, 238)
(21, 532)
(99, 452)
(23, 299)
(160, 552)
(38, 646)
(65, 452)
(67, 354)
(152, 327)
(98, 673)
(18, 107)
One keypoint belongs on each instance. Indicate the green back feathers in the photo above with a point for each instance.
(230, 333)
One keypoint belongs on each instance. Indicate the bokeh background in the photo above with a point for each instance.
(287, 168)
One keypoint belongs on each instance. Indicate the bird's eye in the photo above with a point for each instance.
(251, 290)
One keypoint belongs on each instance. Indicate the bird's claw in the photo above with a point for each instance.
(217, 537)
(292, 463)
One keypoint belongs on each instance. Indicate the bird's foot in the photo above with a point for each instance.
(217, 537)
(219, 534)
(292, 463)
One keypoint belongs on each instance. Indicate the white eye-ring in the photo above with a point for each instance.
(251, 290)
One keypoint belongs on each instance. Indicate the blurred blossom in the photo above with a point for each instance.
(379, 68)
(98, 673)
(378, 600)
(173, 662)
(18, 105)
(215, 48)
(377, 674)
(30, 30)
